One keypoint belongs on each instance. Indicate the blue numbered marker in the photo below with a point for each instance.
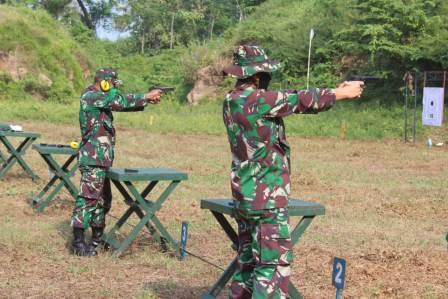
(338, 277)
(183, 240)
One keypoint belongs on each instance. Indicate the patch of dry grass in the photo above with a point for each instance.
(386, 214)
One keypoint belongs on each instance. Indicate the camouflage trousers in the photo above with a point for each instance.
(94, 199)
(264, 255)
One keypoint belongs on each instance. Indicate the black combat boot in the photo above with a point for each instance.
(79, 246)
(97, 235)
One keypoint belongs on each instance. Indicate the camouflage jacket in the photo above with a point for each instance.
(96, 122)
(260, 153)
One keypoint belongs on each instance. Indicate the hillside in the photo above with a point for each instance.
(381, 38)
(47, 63)
(38, 57)
(48, 58)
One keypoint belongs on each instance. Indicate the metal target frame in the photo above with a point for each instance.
(411, 80)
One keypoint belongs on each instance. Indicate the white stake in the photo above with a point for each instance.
(309, 59)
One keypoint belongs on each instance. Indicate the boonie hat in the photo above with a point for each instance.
(105, 73)
(249, 60)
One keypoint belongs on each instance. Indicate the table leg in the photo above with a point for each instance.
(228, 273)
(152, 230)
(222, 281)
(146, 211)
(133, 234)
(296, 234)
(231, 233)
(109, 238)
(40, 202)
(293, 292)
(62, 174)
(133, 207)
(300, 228)
(2, 158)
(149, 188)
(16, 156)
(152, 208)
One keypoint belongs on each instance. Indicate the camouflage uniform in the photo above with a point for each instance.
(260, 180)
(96, 152)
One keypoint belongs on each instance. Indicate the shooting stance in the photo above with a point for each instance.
(96, 153)
(260, 171)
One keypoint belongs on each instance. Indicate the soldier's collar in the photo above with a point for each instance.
(92, 88)
(244, 86)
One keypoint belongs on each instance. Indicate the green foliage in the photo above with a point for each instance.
(364, 120)
(139, 72)
(433, 48)
(55, 7)
(46, 55)
(162, 24)
(377, 37)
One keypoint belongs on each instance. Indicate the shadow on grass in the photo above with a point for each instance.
(21, 176)
(142, 243)
(65, 232)
(169, 289)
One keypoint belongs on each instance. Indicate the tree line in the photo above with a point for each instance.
(385, 38)
(152, 25)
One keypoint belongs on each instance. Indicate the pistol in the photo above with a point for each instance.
(164, 89)
(364, 78)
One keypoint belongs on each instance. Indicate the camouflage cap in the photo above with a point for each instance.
(105, 73)
(249, 60)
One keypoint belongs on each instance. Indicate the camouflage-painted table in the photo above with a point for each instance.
(139, 204)
(16, 153)
(60, 174)
(220, 207)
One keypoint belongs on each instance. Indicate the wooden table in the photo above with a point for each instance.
(61, 174)
(138, 203)
(220, 207)
(16, 153)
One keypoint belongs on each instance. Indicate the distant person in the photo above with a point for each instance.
(96, 153)
(260, 171)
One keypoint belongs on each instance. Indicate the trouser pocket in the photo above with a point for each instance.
(275, 244)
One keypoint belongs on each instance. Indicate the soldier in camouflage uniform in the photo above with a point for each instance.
(96, 153)
(260, 179)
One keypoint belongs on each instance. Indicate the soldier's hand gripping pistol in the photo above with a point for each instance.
(160, 90)
(164, 89)
(365, 79)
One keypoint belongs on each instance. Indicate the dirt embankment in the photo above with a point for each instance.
(12, 65)
(207, 81)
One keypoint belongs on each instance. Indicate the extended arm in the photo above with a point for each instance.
(114, 100)
(283, 103)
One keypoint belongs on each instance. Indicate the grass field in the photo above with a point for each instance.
(364, 120)
(386, 206)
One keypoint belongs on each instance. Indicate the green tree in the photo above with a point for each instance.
(161, 24)
(55, 7)
(384, 31)
(432, 43)
(141, 19)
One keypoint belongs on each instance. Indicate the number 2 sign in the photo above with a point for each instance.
(338, 277)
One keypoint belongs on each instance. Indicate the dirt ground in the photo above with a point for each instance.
(386, 214)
